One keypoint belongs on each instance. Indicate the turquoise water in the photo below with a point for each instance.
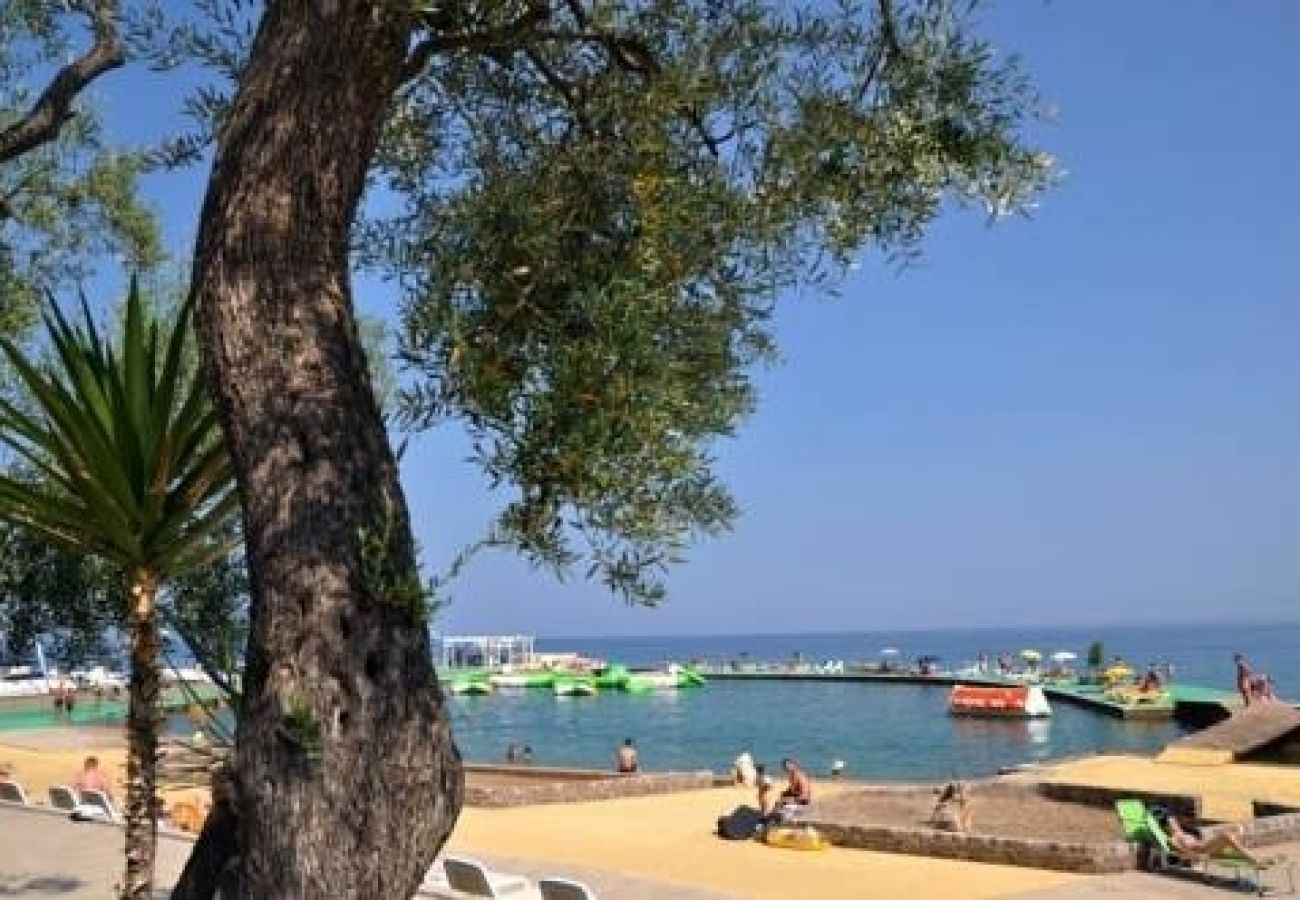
(881, 731)
(85, 713)
(884, 732)
(888, 732)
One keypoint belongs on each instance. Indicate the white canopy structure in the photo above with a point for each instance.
(484, 651)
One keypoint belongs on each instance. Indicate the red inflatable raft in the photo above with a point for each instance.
(1013, 701)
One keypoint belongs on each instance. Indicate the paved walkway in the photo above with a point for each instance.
(47, 857)
(44, 856)
(1143, 886)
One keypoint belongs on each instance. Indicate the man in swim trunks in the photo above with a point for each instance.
(798, 787)
(626, 760)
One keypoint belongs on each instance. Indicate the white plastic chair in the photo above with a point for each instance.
(472, 878)
(63, 797)
(99, 800)
(564, 889)
(12, 792)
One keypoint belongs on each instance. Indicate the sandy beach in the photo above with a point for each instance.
(668, 839)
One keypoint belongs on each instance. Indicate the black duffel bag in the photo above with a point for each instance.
(740, 824)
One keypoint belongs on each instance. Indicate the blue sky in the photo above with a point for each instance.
(1090, 417)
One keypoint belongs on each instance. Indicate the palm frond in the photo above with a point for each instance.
(122, 446)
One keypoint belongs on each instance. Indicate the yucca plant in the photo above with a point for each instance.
(122, 457)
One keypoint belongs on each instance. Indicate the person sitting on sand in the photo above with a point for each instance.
(742, 770)
(92, 778)
(952, 812)
(798, 788)
(626, 760)
(1225, 839)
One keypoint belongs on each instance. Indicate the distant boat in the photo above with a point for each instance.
(1013, 702)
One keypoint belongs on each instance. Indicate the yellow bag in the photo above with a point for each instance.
(795, 837)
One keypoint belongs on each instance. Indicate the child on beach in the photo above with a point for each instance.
(952, 812)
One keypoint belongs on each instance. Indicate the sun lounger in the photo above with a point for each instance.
(1140, 825)
(100, 801)
(564, 889)
(12, 792)
(472, 878)
(64, 798)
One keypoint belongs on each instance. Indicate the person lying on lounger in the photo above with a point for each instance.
(1223, 841)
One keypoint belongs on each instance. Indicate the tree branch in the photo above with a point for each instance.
(566, 88)
(507, 36)
(53, 108)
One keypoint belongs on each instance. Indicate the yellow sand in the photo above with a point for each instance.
(669, 837)
(666, 838)
(1226, 790)
(36, 770)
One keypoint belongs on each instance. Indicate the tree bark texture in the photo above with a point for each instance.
(347, 780)
(141, 735)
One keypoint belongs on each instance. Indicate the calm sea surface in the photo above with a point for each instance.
(883, 732)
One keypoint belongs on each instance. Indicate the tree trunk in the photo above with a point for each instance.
(214, 863)
(347, 779)
(141, 735)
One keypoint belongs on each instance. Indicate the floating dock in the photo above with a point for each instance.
(1188, 703)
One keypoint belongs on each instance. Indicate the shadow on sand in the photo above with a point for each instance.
(39, 885)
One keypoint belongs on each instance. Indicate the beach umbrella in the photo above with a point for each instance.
(1064, 656)
(1031, 655)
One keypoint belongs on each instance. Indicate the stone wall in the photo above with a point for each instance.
(553, 786)
(1088, 795)
(1103, 857)
(1274, 823)
(1263, 808)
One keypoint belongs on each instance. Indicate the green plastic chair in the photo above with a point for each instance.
(1133, 816)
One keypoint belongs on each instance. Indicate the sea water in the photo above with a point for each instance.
(880, 731)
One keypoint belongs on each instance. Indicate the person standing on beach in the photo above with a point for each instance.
(626, 760)
(743, 771)
(764, 783)
(1245, 678)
